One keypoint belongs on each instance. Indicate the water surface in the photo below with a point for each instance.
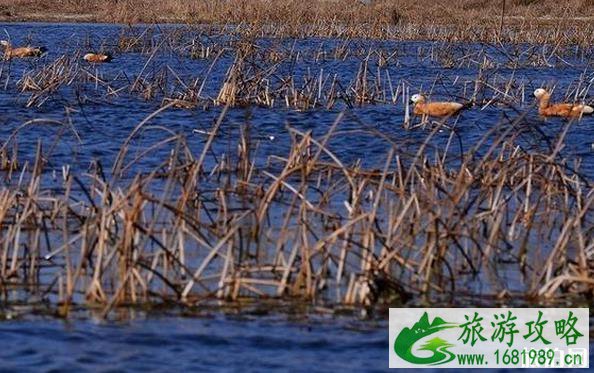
(217, 343)
(102, 121)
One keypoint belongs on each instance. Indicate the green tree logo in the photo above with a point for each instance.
(405, 341)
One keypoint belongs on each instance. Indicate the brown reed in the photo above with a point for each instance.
(305, 225)
(463, 20)
(191, 231)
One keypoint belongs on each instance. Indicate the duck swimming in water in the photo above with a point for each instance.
(546, 109)
(20, 52)
(434, 109)
(97, 57)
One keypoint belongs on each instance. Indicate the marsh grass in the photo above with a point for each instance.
(508, 218)
(265, 75)
(306, 226)
(465, 20)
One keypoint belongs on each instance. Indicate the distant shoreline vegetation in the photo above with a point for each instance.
(537, 21)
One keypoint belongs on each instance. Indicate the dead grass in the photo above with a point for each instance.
(436, 221)
(304, 226)
(472, 19)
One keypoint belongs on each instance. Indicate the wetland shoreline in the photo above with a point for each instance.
(466, 20)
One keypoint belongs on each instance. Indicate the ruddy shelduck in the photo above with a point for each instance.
(546, 109)
(21, 52)
(434, 109)
(97, 57)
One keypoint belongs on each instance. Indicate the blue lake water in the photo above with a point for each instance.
(216, 343)
(101, 120)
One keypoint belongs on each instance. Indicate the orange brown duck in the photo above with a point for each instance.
(546, 109)
(20, 52)
(97, 57)
(434, 109)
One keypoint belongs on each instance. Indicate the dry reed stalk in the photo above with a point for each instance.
(307, 224)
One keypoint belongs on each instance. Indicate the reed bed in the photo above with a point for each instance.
(437, 222)
(467, 20)
(509, 218)
(265, 74)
